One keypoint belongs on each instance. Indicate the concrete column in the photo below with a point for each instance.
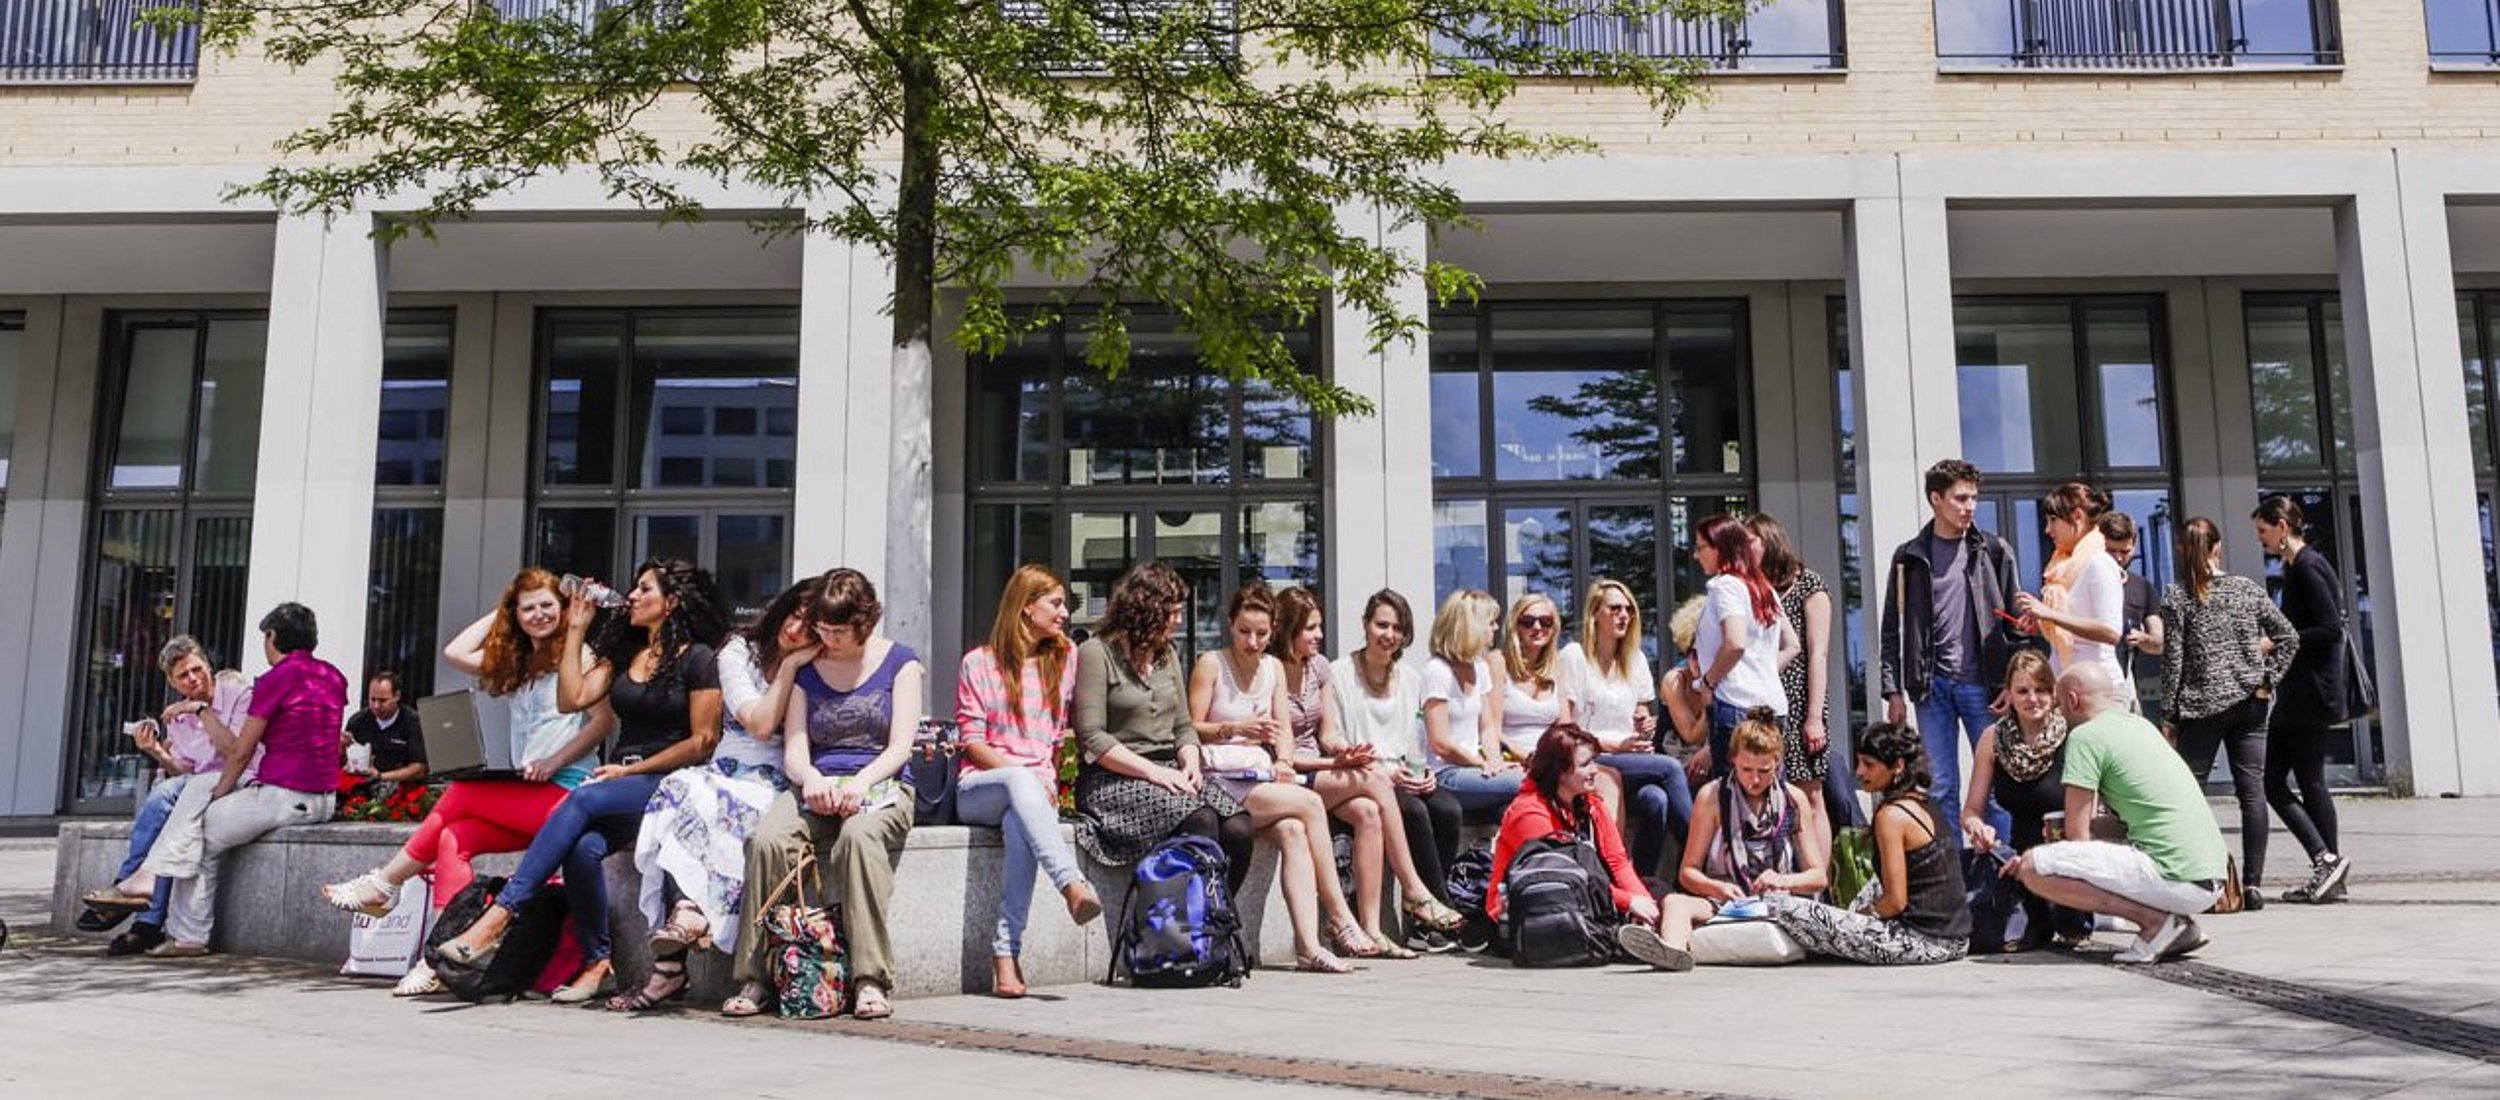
(845, 398)
(2218, 427)
(486, 470)
(42, 553)
(1378, 501)
(312, 510)
(2419, 519)
(1908, 401)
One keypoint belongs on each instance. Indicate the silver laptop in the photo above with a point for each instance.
(468, 735)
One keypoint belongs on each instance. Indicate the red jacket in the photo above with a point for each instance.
(1531, 817)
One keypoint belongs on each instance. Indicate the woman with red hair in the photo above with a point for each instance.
(1744, 639)
(1559, 798)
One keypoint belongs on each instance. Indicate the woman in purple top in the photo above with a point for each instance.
(293, 722)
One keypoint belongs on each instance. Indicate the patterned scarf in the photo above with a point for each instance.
(1753, 840)
(2024, 758)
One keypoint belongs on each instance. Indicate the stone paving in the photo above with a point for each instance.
(2396, 994)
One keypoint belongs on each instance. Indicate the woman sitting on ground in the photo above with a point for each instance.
(1246, 744)
(845, 738)
(1753, 836)
(692, 852)
(2021, 761)
(1378, 701)
(1350, 779)
(657, 669)
(1011, 713)
(1559, 798)
(513, 652)
(1915, 911)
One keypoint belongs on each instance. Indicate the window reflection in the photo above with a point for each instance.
(2282, 376)
(1537, 549)
(416, 402)
(1576, 394)
(1459, 558)
(1706, 365)
(2017, 385)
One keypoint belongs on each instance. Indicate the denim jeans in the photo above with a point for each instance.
(1018, 804)
(1948, 701)
(1658, 799)
(594, 820)
(144, 828)
(1477, 792)
(1724, 718)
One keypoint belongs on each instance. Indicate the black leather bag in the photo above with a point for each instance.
(2360, 693)
(931, 771)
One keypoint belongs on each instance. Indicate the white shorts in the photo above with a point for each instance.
(2123, 870)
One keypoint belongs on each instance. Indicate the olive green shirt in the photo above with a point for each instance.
(1115, 708)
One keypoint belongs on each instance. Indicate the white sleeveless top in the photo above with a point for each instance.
(1235, 702)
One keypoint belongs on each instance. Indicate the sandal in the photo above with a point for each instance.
(686, 930)
(365, 894)
(667, 975)
(1322, 963)
(870, 1004)
(1351, 939)
(749, 1001)
(110, 899)
(1392, 949)
(418, 982)
(1431, 913)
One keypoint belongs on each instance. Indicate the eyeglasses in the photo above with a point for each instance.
(1536, 622)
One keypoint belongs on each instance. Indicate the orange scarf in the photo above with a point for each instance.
(2057, 587)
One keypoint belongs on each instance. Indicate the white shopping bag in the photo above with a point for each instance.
(386, 946)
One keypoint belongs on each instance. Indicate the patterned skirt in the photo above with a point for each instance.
(695, 831)
(1120, 818)
(1805, 769)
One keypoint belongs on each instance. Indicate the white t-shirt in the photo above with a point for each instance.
(1466, 711)
(2099, 595)
(1525, 717)
(1389, 724)
(1603, 704)
(1755, 681)
(742, 681)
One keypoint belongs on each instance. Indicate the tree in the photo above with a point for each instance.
(1197, 154)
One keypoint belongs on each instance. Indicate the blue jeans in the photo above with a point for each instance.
(1724, 718)
(1479, 794)
(594, 820)
(1967, 702)
(144, 828)
(1019, 805)
(1657, 798)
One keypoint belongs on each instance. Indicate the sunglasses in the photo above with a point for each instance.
(1536, 622)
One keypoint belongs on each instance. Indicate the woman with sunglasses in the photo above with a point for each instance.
(1608, 680)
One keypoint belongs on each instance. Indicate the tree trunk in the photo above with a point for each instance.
(913, 486)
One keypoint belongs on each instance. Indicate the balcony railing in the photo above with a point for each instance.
(1121, 22)
(2464, 33)
(1784, 34)
(93, 42)
(2136, 34)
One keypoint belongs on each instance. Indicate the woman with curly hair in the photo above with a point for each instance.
(657, 670)
(1914, 912)
(513, 652)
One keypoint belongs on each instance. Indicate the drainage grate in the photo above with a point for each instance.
(2404, 1025)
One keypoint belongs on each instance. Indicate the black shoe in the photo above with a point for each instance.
(138, 941)
(1430, 941)
(101, 920)
(2328, 884)
(2251, 901)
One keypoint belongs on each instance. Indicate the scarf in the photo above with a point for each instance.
(1753, 840)
(2025, 759)
(2057, 587)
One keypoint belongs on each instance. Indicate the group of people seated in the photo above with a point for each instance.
(723, 757)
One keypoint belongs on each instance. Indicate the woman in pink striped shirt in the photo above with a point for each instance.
(1011, 706)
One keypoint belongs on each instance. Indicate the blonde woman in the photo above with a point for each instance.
(1533, 698)
(1608, 679)
(1463, 706)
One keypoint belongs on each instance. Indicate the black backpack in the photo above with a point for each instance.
(1558, 907)
(1470, 876)
(531, 941)
(1178, 928)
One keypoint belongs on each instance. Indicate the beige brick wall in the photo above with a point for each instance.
(1893, 98)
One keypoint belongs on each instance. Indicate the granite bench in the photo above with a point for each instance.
(945, 904)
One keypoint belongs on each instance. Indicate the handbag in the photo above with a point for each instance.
(1237, 761)
(2234, 896)
(388, 945)
(2360, 693)
(803, 948)
(932, 771)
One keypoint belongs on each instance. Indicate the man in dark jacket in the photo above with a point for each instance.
(1947, 634)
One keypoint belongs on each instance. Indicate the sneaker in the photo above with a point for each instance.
(176, 949)
(1643, 943)
(2326, 883)
(2189, 940)
(141, 938)
(2151, 948)
(1431, 941)
(2298, 895)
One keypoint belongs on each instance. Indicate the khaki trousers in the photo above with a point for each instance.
(855, 859)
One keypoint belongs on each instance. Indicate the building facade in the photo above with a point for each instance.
(2258, 254)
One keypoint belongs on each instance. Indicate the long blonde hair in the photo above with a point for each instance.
(1012, 640)
(1540, 671)
(1463, 629)
(1619, 666)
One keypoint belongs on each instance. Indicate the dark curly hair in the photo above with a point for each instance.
(1890, 743)
(763, 634)
(1138, 617)
(696, 620)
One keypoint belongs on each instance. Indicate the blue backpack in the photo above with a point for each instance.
(1178, 928)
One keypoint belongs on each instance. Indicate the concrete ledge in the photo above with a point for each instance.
(944, 909)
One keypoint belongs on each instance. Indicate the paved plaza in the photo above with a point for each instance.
(2395, 994)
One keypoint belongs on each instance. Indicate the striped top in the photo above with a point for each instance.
(1026, 734)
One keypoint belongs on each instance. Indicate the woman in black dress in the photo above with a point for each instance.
(2310, 699)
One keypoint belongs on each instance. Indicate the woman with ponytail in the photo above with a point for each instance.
(1914, 911)
(1744, 639)
(2226, 648)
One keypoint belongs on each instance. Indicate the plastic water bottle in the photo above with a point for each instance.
(576, 587)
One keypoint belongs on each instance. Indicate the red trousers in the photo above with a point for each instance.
(478, 817)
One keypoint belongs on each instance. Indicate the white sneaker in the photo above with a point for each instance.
(2151, 948)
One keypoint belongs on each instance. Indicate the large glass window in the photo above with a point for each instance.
(669, 433)
(2478, 324)
(407, 559)
(1852, 594)
(1090, 474)
(2463, 33)
(1573, 441)
(171, 542)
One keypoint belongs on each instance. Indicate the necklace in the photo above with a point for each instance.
(1379, 687)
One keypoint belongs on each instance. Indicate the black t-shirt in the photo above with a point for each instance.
(395, 746)
(651, 717)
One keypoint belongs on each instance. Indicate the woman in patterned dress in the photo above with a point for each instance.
(1806, 602)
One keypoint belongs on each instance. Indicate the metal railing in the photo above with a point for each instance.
(93, 42)
(2141, 34)
(1119, 22)
(2464, 32)
(1785, 34)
